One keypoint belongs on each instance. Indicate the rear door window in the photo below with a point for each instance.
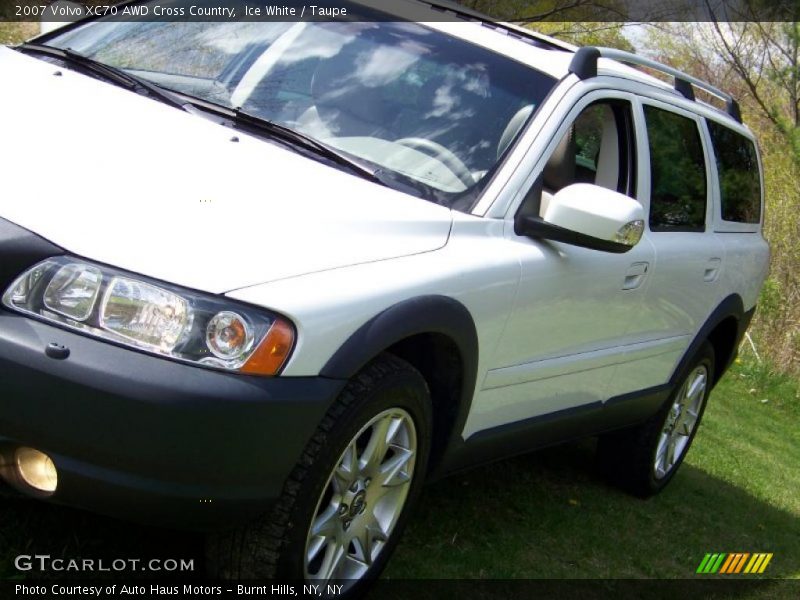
(678, 186)
(739, 176)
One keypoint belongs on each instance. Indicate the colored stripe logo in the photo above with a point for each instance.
(734, 563)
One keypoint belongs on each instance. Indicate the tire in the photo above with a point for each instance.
(644, 459)
(388, 396)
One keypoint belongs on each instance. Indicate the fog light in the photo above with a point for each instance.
(36, 469)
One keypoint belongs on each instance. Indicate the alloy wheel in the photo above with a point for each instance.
(680, 422)
(362, 499)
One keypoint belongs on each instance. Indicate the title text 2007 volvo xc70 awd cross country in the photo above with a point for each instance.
(299, 268)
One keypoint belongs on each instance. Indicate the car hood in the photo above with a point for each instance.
(116, 177)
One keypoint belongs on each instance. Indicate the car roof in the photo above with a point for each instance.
(543, 52)
(556, 63)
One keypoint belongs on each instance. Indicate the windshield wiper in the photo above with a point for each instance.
(114, 74)
(192, 104)
(245, 121)
(298, 138)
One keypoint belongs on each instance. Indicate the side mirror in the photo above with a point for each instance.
(589, 216)
(51, 17)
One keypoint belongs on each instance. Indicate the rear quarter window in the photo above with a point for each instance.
(739, 177)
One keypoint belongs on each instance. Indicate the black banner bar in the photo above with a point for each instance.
(531, 11)
(386, 589)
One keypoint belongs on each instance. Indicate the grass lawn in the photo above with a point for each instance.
(546, 515)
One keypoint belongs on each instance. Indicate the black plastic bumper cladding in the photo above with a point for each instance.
(150, 439)
(731, 306)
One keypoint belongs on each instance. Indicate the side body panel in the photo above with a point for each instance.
(573, 321)
(580, 343)
(475, 268)
(684, 286)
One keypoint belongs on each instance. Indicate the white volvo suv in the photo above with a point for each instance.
(265, 279)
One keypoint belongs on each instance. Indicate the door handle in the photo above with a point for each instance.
(712, 270)
(635, 275)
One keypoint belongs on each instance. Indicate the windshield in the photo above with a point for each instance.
(425, 108)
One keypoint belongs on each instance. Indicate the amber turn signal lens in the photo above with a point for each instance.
(272, 352)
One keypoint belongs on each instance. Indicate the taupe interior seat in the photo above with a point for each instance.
(608, 156)
(561, 169)
(342, 103)
(513, 128)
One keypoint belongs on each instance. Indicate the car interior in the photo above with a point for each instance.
(589, 152)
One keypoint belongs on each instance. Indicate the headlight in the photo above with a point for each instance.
(144, 313)
(153, 316)
(73, 290)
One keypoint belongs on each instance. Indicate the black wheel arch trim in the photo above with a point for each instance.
(732, 306)
(419, 315)
(596, 418)
(440, 314)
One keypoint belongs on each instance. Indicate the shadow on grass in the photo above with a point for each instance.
(542, 515)
(29, 527)
(548, 514)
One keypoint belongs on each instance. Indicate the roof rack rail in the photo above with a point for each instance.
(584, 65)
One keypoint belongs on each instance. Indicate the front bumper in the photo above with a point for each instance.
(149, 439)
